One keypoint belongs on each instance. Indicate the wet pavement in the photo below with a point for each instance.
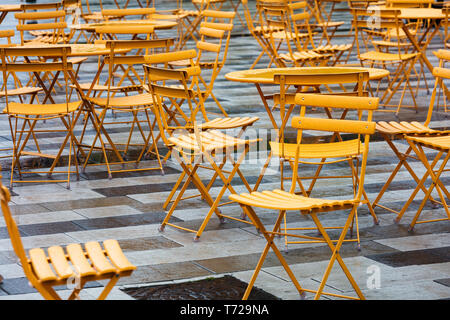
(393, 263)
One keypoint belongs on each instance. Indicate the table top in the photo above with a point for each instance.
(265, 76)
(85, 49)
(157, 24)
(10, 7)
(418, 13)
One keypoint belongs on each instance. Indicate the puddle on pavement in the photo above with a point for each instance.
(222, 288)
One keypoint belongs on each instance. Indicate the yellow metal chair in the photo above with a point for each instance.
(435, 168)
(257, 33)
(335, 150)
(288, 42)
(195, 106)
(400, 130)
(212, 49)
(446, 12)
(17, 89)
(399, 62)
(194, 147)
(121, 99)
(32, 113)
(284, 201)
(64, 266)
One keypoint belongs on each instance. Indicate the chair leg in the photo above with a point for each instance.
(336, 255)
(270, 244)
(420, 185)
(436, 183)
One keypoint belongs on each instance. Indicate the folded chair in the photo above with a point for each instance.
(125, 96)
(399, 63)
(335, 150)
(125, 14)
(400, 130)
(33, 113)
(174, 111)
(285, 201)
(212, 49)
(195, 146)
(58, 266)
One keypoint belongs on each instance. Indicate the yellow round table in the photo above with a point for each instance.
(265, 76)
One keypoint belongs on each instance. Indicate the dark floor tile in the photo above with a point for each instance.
(122, 221)
(415, 257)
(149, 243)
(50, 228)
(17, 286)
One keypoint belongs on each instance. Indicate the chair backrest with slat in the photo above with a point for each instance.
(362, 128)
(164, 94)
(123, 66)
(23, 61)
(51, 21)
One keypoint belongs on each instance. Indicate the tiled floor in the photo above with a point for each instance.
(409, 265)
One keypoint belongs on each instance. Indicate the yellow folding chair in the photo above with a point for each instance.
(288, 43)
(397, 61)
(174, 108)
(32, 113)
(284, 201)
(125, 96)
(334, 150)
(409, 3)
(435, 168)
(192, 149)
(212, 49)
(65, 266)
(446, 12)
(400, 130)
(50, 28)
